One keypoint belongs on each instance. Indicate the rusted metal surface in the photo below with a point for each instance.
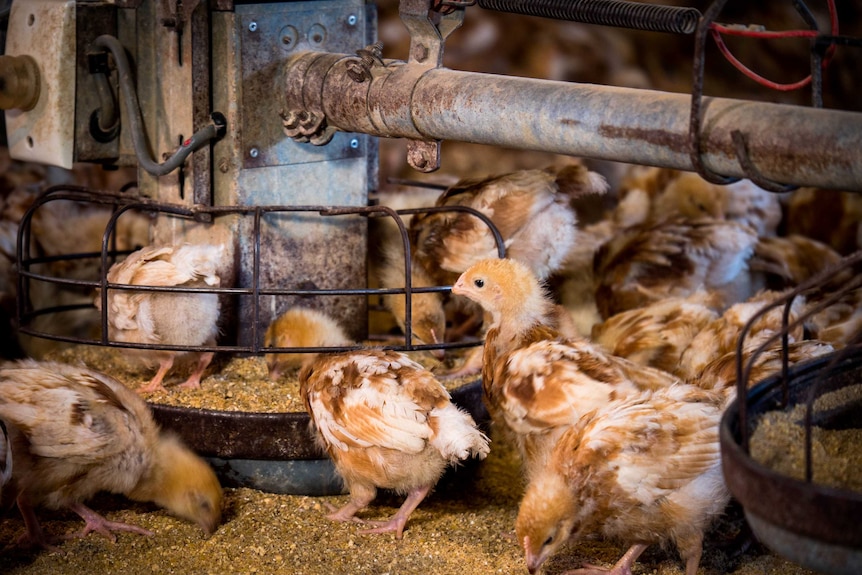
(814, 511)
(93, 20)
(788, 144)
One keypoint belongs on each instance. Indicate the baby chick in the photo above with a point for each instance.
(721, 335)
(532, 210)
(644, 469)
(300, 327)
(536, 382)
(658, 333)
(75, 432)
(676, 257)
(386, 422)
(161, 317)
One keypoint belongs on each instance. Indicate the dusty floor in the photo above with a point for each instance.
(466, 526)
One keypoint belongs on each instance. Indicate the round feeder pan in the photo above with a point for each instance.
(273, 452)
(813, 525)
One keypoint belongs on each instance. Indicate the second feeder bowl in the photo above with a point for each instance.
(812, 524)
(274, 452)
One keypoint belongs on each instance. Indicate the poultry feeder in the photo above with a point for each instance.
(263, 118)
(272, 451)
(806, 519)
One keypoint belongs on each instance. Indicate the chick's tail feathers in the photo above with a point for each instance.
(457, 436)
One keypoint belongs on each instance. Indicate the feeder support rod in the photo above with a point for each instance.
(791, 144)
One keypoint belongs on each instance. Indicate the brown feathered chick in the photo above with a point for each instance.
(161, 317)
(675, 258)
(300, 327)
(537, 383)
(643, 469)
(75, 432)
(386, 422)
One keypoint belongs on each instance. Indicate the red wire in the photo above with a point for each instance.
(716, 31)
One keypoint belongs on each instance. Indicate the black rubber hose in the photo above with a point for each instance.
(635, 15)
(136, 125)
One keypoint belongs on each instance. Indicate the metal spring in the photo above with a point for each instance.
(634, 15)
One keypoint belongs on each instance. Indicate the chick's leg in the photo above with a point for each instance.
(621, 567)
(99, 524)
(34, 537)
(397, 522)
(194, 380)
(360, 497)
(156, 383)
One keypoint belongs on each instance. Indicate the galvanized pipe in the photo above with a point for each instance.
(790, 144)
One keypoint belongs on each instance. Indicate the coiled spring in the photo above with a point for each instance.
(634, 15)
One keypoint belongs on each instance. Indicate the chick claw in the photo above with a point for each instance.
(101, 525)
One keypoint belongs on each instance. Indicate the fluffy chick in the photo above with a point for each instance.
(532, 210)
(161, 317)
(300, 327)
(677, 257)
(537, 383)
(644, 469)
(720, 374)
(75, 432)
(721, 335)
(658, 333)
(428, 317)
(386, 422)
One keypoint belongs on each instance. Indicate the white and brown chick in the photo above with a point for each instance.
(162, 318)
(75, 432)
(300, 328)
(658, 333)
(674, 258)
(386, 422)
(531, 209)
(643, 469)
(721, 335)
(537, 383)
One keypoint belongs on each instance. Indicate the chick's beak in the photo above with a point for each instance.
(460, 286)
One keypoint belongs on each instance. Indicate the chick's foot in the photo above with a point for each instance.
(97, 523)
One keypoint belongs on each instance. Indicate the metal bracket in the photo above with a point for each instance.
(428, 29)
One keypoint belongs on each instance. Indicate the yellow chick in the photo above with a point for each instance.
(75, 432)
(300, 327)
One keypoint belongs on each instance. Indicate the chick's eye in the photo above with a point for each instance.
(548, 541)
(479, 282)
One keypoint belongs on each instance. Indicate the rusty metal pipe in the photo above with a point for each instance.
(791, 144)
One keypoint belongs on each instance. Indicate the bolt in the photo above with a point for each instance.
(354, 143)
(286, 40)
(351, 20)
(254, 152)
(223, 165)
(252, 26)
(421, 52)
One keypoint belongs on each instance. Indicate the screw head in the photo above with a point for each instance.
(354, 143)
(351, 20)
(254, 152)
(252, 26)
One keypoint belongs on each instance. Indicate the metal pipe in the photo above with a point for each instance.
(790, 144)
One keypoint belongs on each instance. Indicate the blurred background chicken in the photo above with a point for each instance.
(658, 333)
(75, 432)
(676, 257)
(300, 327)
(532, 210)
(165, 318)
(386, 422)
(642, 469)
